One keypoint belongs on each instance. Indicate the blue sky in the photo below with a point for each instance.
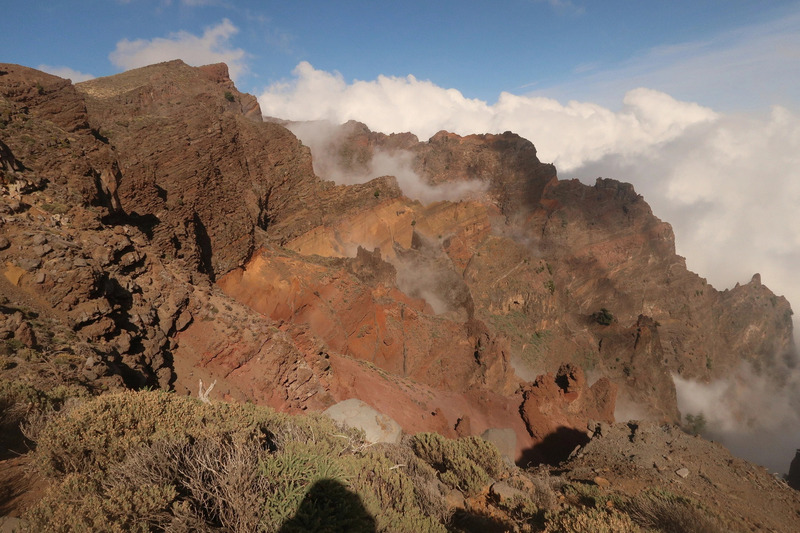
(559, 48)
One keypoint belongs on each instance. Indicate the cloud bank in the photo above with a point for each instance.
(66, 73)
(728, 183)
(214, 46)
(747, 414)
(567, 135)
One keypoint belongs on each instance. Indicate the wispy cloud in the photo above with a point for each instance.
(564, 6)
(66, 72)
(737, 69)
(325, 141)
(745, 413)
(213, 46)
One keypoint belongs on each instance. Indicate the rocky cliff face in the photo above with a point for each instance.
(542, 258)
(164, 234)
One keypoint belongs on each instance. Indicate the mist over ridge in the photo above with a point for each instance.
(725, 182)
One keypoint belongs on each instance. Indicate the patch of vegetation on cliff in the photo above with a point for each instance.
(515, 325)
(603, 317)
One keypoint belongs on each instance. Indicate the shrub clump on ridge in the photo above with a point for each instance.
(466, 464)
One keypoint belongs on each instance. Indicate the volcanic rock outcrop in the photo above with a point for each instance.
(540, 265)
(158, 232)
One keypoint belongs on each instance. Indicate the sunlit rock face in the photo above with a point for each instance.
(157, 217)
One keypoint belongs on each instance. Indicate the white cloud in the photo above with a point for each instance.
(66, 73)
(567, 135)
(383, 104)
(214, 46)
(745, 413)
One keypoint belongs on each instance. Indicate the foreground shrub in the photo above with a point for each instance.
(577, 520)
(467, 464)
(153, 461)
(18, 400)
(663, 511)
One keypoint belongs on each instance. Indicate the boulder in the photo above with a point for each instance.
(504, 438)
(794, 472)
(24, 334)
(357, 414)
(505, 493)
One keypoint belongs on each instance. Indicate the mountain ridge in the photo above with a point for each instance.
(170, 235)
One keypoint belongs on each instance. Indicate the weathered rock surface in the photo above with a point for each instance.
(637, 456)
(212, 174)
(556, 410)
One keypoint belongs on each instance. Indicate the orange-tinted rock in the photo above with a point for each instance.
(344, 304)
(557, 409)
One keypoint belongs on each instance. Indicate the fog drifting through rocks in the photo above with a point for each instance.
(728, 183)
(748, 413)
(324, 138)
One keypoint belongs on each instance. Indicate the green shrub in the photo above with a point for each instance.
(290, 475)
(603, 317)
(466, 464)
(19, 400)
(576, 520)
(694, 424)
(55, 208)
(150, 460)
(97, 434)
(588, 495)
(550, 286)
(399, 497)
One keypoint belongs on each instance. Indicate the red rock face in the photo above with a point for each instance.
(354, 307)
(556, 410)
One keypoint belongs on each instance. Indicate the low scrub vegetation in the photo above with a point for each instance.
(154, 461)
